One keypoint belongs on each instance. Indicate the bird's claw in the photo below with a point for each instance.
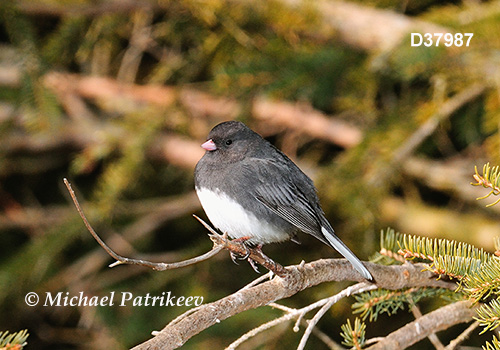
(254, 265)
(234, 256)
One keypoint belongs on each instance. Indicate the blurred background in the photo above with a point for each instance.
(117, 96)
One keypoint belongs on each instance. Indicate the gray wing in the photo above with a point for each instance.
(281, 193)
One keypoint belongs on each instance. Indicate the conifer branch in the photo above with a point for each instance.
(374, 303)
(490, 179)
(488, 315)
(494, 345)
(13, 341)
(354, 335)
(442, 256)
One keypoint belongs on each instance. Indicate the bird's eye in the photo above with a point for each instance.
(228, 142)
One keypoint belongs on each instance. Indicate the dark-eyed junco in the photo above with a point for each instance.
(251, 190)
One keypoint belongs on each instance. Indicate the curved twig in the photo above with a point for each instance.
(120, 260)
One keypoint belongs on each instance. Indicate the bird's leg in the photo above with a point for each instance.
(255, 255)
(252, 262)
(234, 256)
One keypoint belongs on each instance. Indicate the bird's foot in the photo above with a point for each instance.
(235, 256)
(254, 265)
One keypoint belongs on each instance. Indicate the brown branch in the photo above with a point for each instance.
(238, 248)
(288, 282)
(129, 261)
(298, 278)
(109, 89)
(434, 321)
(462, 337)
(433, 338)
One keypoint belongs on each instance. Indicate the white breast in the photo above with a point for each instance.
(230, 217)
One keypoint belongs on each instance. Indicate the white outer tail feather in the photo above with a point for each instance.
(346, 252)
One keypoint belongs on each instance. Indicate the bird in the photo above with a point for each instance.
(252, 191)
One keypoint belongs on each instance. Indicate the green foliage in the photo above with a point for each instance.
(476, 271)
(494, 345)
(452, 258)
(490, 179)
(354, 337)
(14, 340)
(376, 302)
(455, 259)
(488, 315)
(389, 248)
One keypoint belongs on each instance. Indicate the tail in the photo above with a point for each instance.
(336, 243)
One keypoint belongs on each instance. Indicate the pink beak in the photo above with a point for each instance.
(209, 145)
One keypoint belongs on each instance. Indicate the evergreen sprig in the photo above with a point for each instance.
(489, 179)
(389, 248)
(452, 258)
(13, 341)
(485, 281)
(373, 303)
(477, 271)
(494, 345)
(488, 315)
(354, 337)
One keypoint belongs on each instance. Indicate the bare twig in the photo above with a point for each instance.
(220, 242)
(465, 334)
(124, 260)
(298, 314)
(355, 289)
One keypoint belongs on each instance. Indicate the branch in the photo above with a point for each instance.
(356, 289)
(465, 334)
(124, 260)
(297, 278)
(307, 120)
(238, 248)
(298, 314)
(434, 321)
(288, 282)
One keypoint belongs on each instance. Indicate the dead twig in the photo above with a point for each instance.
(120, 260)
(299, 314)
